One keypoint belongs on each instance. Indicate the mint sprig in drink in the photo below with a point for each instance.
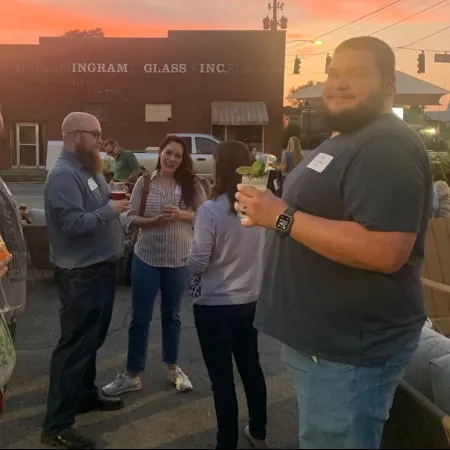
(256, 176)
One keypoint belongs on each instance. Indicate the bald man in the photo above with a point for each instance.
(86, 241)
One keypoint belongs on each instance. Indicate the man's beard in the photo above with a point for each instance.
(352, 120)
(90, 159)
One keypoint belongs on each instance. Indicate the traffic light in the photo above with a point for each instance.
(266, 23)
(421, 63)
(297, 64)
(327, 63)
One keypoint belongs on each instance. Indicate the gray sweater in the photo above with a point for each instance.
(226, 255)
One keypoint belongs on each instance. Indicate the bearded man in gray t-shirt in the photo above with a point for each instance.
(341, 286)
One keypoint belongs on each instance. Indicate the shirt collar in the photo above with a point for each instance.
(72, 157)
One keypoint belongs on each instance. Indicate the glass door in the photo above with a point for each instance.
(27, 145)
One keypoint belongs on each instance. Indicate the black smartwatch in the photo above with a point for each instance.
(284, 222)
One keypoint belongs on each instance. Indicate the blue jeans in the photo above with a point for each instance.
(146, 281)
(342, 406)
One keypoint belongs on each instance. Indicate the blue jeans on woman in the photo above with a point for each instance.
(146, 281)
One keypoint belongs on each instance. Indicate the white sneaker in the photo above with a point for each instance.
(181, 381)
(256, 443)
(121, 384)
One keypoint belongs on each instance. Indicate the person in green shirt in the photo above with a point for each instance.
(127, 165)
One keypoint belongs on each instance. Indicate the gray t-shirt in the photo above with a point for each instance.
(379, 177)
(82, 228)
(288, 160)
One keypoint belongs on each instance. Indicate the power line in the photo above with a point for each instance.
(424, 38)
(421, 50)
(396, 48)
(390, 26)
(361, 18)
(354, 21)
(407, 18)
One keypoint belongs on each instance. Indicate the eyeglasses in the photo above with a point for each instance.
(95, 134)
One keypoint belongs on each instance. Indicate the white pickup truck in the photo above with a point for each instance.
(201, 147)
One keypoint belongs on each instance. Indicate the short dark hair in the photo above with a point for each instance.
(383, 54)
(111, 142)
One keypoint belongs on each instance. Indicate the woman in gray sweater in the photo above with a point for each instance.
(226, 265)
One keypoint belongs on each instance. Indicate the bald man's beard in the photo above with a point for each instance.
(90, 158)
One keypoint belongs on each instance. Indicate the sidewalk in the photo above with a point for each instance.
(156, 417)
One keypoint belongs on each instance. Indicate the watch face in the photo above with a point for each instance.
(283, 222)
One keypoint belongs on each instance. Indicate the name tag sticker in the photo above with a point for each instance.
(92, 184)
(178, 189)
(320, 162)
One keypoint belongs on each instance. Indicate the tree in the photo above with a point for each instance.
(296, 89)
(94, 32)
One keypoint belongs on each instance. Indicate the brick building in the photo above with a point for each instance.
(225, 83)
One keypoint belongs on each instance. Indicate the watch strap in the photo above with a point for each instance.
(290, 211)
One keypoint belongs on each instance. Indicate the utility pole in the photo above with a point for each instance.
(275, 15)
(273, 24)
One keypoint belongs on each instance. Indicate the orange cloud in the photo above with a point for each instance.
(22, 19)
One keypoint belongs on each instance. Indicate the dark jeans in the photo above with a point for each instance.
(145, 283)
(87, 299)
(224, 332)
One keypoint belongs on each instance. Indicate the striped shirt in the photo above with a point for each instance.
(166, 245)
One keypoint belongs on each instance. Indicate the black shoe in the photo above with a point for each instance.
(102, 404)
(68, 438)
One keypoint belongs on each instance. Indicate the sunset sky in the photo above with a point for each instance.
(23, 21)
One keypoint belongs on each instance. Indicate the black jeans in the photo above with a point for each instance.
(224, 332)
(87, 298)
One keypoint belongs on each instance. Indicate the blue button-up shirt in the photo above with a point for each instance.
(83, 229)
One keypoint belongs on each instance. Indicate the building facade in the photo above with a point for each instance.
(225, 83)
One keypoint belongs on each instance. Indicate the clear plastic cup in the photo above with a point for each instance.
(259, 183)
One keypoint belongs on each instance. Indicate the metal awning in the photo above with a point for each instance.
(239, 113)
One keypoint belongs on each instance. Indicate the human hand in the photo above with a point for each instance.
(171, 213)
(261, 208)
(119, 206)
(24, 213)
(3, 265)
